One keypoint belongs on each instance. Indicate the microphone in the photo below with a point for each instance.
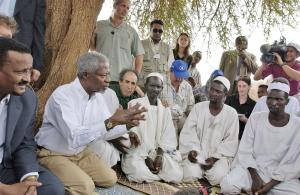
(112, 32)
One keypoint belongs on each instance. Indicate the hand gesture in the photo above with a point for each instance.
(134, 139)
(129, 117)
(192, 156)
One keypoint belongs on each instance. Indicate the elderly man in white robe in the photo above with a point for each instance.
(209, 138)
(156, 157)
(268, 158)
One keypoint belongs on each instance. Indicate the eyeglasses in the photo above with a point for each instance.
(157, 30)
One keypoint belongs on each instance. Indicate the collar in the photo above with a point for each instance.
(247, 101)
(152, 42)
(77, 85)
(5, 100)
(111, 24)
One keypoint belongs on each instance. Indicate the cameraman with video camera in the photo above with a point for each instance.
(284, 65)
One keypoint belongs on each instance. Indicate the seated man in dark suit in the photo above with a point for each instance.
(20, 172)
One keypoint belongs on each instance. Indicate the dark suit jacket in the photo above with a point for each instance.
(20, 147)
(30, 16)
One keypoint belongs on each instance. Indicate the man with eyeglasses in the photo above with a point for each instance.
(77, 114)
(158, 55)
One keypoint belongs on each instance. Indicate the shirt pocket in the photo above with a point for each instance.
(125, 43)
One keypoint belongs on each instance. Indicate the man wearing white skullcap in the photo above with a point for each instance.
(268, 157)
(153, 155)
(209, 138)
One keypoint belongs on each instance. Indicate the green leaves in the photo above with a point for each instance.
(216, 20)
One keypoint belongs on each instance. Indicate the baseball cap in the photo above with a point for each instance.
(179, 68)
(217, 72)
(295, 46)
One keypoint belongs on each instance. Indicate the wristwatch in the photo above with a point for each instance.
(108, 124)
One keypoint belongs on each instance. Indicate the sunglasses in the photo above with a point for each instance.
(157, 30)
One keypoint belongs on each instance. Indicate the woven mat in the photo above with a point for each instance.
(161, 188)
(154, 188)
(197, 184)
(117, 189)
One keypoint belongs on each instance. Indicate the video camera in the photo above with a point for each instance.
(269, 50)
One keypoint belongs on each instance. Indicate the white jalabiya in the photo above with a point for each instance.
(105, 150)
(211, 136)
(292, 107)
(273, 151)
(156, 131)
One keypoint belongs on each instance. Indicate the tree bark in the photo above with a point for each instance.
(69, 28)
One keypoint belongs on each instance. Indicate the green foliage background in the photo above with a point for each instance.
(215, 20)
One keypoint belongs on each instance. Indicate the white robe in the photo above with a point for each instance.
(105, 150)
(210, 136)
(156, 131)
(273, 151)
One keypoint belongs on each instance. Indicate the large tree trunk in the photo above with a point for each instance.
(69, 28)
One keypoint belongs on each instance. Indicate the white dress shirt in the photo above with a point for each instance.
(3, 116)
(72, 119)
(7, 7)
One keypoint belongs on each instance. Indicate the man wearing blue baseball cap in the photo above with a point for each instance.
(178, 93)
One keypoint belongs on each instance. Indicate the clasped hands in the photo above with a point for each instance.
(259, 187)
(21, 188)
(155, 165)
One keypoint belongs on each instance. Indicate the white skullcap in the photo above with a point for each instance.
(279, 86)
(155, 74)
(224, 81)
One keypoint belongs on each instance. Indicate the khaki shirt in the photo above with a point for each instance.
(120, 44)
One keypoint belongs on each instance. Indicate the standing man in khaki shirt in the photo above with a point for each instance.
(158, 55)
(118, 41)
(238, 62)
